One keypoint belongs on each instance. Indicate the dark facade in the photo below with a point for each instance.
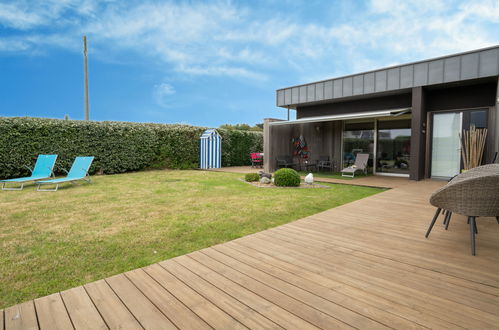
(461, 90)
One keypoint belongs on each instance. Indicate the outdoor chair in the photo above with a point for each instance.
(470, 194)
(43, 170)
(256, 159)
(359, 165)
(79, 171)
(285, 161)
(489, 168)
(324, 163)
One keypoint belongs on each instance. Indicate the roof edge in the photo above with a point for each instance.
(393, 66)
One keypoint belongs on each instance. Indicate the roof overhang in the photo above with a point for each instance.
(358, 115)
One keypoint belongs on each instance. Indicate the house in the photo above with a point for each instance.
(407, 117)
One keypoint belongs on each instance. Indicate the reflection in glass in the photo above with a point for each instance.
(358, 137)
(394, 146)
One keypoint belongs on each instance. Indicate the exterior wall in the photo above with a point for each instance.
(458, 67)
(418, 134)
(277, 141)
(461, 97)
(495, 115)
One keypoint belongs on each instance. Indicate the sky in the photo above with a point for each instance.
(213, 62)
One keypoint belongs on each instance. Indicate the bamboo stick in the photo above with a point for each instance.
(472, 146)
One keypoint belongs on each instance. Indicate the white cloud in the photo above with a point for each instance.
(224, 38)
(162, 93)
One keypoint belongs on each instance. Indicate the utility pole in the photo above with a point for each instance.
(85, 73)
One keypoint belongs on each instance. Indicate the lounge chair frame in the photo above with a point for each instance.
(18, 188)
(86, 178)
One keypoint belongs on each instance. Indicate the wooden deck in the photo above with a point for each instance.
(363, 265)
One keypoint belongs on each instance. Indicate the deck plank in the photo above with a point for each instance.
(204, 308)
(283, 284)
(22, 316)
(81, 309)
(353, 307)
(365, 264)
(52, 313)
(270, 310)
(176, 311)
(148, 315)
(346, 272)
(295, 306)
(230, 305)
(112, 309)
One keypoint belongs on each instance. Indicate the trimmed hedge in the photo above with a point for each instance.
(117, 146)
(286, 177)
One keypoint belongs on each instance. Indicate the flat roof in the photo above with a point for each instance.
(469, 65)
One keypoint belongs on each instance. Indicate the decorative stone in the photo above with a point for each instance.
(265, 175)
(265, 180)
(309, 179)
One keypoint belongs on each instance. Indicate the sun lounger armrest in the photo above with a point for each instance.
(29, 168)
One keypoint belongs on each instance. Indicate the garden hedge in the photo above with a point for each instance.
(117, 146)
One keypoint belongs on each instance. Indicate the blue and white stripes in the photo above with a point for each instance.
(210, 149)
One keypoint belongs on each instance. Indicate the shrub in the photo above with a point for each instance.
(117, 146)
(252, 177)
(286, 177)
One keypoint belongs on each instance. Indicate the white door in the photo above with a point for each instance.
(446, 148)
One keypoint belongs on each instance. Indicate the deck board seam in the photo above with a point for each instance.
(391, 300)
(425, 277)
(223, 292)
(297, 299)
(253, 292)
(444, 300)
(325, 287)
(67, 311)
(414, 265)
(311, 292)
(211, 302)
(129, 310)
(152, 302)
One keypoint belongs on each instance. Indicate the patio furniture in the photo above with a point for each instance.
(285, 161)
(489, 168)
(256, 159)
(359, 165)
(43, 169)
(472, 195)
(324, 163)
(79, 171)
(309, 166)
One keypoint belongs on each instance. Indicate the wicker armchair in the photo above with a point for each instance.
(473, 194)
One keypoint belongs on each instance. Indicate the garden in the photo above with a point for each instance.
(88, 231)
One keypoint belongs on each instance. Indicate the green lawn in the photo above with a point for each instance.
(54, 241)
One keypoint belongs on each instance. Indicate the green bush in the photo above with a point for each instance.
(252, 177)
(117, 146)
(286, 177)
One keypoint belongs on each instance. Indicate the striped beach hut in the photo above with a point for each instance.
(210, 149)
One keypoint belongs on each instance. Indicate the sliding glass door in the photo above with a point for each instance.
(393, 147)
(358, 137)
(446, 149)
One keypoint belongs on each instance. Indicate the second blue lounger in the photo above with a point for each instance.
(43, 170)
(79, 171)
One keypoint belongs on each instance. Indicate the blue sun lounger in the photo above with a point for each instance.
(78, 171)
(43, 170)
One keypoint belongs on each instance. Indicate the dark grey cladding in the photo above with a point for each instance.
(458, 67)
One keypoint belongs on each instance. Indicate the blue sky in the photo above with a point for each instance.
(213, 62)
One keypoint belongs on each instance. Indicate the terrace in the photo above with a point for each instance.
(364, 264)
